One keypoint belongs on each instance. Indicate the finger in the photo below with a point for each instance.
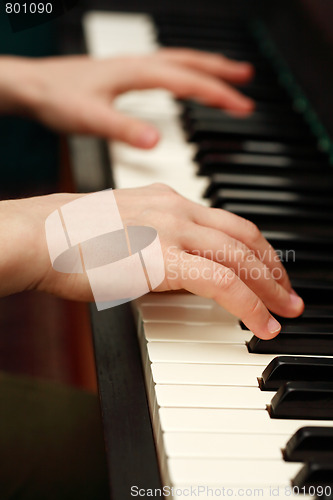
(99, 118)
(246, 232)
(206, 62)
(184, 82)
(223, 249)
(209, 279)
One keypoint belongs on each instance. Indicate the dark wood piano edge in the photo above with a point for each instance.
(127, 426)
(128, 434)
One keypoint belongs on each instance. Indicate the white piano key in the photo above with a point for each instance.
(222, 445)
(170, 162)
(199, 352)
(206, 396)
(181, 298)
(233, 421)
(180, 332)
(191, 315)
(154, 104)
(192, 374)
(129, 175)
(115, 34)
(231, 471)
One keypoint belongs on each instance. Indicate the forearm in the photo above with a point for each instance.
(24, 258)
(18, 85)
(19, 247)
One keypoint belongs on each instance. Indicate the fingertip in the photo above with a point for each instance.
(147, 138)
(241, 104)
(241, 72)
(267, 331)
(247, 69)
(296, 304)
(247, 105)
(273, 328)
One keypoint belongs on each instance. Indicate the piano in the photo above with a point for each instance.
(231, 415)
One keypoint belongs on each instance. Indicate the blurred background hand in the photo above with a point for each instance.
(74, 94)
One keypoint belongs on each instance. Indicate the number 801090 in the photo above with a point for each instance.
(29, 8)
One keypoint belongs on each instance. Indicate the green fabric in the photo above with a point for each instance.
(51, 445)
(39, 41)
(29, 153)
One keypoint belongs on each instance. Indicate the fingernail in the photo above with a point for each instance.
(148, 137)
(273, 326)
(295, 300)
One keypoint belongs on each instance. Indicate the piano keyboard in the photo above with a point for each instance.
(213, 426)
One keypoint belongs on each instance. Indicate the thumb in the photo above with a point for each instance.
(103, 120)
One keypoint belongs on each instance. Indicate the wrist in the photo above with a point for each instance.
(21, 262)
(19, 88)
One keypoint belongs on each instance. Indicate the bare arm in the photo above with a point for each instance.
(221, 247)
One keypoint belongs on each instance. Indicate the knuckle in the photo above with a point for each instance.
(241, 252)
(223, 277)
(252, 232)
(162, 187)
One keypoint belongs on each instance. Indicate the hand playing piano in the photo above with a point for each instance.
(209, 252)
(75, 94)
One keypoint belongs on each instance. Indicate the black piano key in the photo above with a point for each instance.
(264, 93)
(296, 249)
(306, 228)
(283, 198)
(314, 475)
(314, 293)
(305, 325)
(277, 108)
(252, 163)
(213, 33)
(218, 115)
(263, 212)
(309, 151)
(296, 343)
(221, 47)
(228, 49)
(297, 241)
(314, 284)
(242, 130)
(237, 24)
(318, 312)
(217, 44)
(309, 184)
(303, 400)
(284, 369)
(175, 30)
(310, 444)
